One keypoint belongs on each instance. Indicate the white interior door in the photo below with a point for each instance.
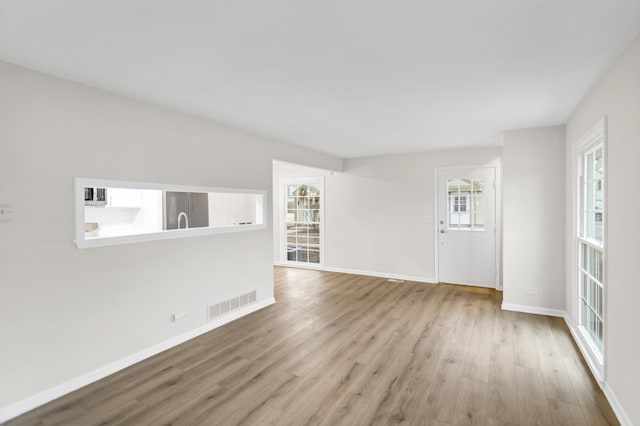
(467, 226)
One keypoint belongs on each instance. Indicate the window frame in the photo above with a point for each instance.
(590, 142)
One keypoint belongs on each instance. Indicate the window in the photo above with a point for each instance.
(591, 247)
(466, 207)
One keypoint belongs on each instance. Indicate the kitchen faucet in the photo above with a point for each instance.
(186, 219)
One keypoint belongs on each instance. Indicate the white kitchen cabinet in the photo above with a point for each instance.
(122, 197)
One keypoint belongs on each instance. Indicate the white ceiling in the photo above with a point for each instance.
(347, 77)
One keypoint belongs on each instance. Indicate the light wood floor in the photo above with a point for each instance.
(351, 350)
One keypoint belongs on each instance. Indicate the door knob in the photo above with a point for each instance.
(442, 231)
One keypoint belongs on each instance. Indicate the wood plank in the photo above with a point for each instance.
(340, 349)
(533, 408)
(472, 403)
(502, 402)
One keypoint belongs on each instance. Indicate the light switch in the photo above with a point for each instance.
(6, 213)
(427, 219)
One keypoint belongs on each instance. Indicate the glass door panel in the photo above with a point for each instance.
(303, 221)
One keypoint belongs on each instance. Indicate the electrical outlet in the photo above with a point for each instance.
(382, 261)
(178, 315)
(6, 213)
(532, 290)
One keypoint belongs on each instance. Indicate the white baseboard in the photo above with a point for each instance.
(28, 404)
(533, 310)
(359, 272)
(622, 415)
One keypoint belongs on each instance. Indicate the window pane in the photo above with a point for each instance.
(599, 341)
(291, 203)
(478, 204)
(478, 186)
(599, 195)
(598, 167)
(303, 202)
(303, 255)
(454, 220)
(466, 186)
(589, 194)
(313, 216)
(590, 229)
(598, 221)
(453, 186)
(292, 216)
(599, 267)
(599, 300)
(291, 253)
(478, 221)
(591, 267)
(314, 256)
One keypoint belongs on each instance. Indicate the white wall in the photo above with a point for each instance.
(533, 217)
(375, 210)
(65, 312)
(618, 97)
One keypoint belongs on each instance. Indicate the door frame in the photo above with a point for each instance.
(497, 166)
(283, 223)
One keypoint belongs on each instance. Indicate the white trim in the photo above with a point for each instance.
(498, 193)
(170, 234)
(358, 272)
(82, 243)
(598, 374)
(436, 226)
(588, 354)
(533, 310)
(622, 415)
(41, 398)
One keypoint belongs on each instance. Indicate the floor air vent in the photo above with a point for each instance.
(227, 306)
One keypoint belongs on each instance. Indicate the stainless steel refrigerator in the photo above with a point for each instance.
(186, 210)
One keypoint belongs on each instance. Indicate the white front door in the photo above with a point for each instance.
(467, 226)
